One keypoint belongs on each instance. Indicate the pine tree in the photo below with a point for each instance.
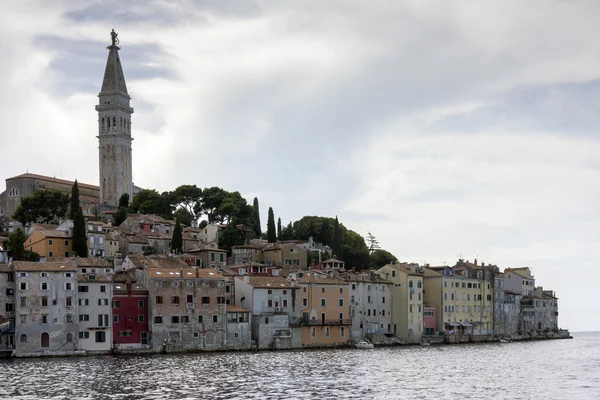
(271, 233)
(74, 200)
(257, 228)
(279, 228)
(80, 248)
(337, 239)
(177, 242)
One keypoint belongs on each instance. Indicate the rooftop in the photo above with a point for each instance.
(39, 266)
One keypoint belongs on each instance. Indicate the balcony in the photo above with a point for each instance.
(327, 322)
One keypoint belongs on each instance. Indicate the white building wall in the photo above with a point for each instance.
(95, 316)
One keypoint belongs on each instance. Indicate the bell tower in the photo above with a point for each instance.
(114, 127)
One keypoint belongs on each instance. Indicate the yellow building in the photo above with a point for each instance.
(286, 255)
(407, 299)
(50, 243)
(463, 304)
(325, 311)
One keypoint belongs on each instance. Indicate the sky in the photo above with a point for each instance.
(446, 129)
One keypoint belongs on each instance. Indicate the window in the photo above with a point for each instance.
(215, 318)
(115, 303)
(84, 317)
(343, 331)
(269, 291)
(49, 242)
(69, 337)
(23, 301)
(44, 319)
(410, 283)
(304, 289)
(102, 302)
(159, 300)
(411, 308)
(140, 303)
(102, 288)
(68, 286)
(45, 339)
(144, 337)
(22, 274)
(452, 296)
(383, 300)
(67, 274)
(10, 292)
(269, 303)
(69, 301)
(341, 302)
(326, 331)
(322, 290)
(102, 319)
(222, 257)
(205, 300)
(141, 318)
(23, 286)
(221, 300)
(158, 319)
(44, 301)
(322, 302)
(341, 290)
(175, 319)
(23, 338)
(100, 337)
(9, 307)
(84, 335)
(196, 334)
(313, 332)
(304, 302)
(200, 319)
(175, 300)
(419, 284)
(184, 319)
(285, 303)
(50, 254)
(83, 289)
(115, 318)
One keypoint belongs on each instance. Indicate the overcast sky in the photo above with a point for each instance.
(445, 128)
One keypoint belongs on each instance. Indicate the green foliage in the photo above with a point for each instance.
(279, 228)
(231, 236)
(187, 198)
(271, 232)
(337, 238)
(74, 200)
(149, 201)
(203, 224)
(372, 243)
(80, 248)
(31, 256)
(287, 232)
(378, 258)
(184, 216)
(212, 198)
(257, 227)
(123, 200)
(44, 206)
(16, 244)
(120, 216)
(177, 242)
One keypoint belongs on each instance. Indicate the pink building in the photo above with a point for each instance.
(429, 324)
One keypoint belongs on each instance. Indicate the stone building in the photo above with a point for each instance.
(507, 308)
(7, 307)
(238, 328)
(114, 131)
(370, 304)
(187, 308)
(46, 309)
(407, 299)
(519, 280)
(275, 306)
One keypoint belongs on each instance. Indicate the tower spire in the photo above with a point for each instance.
(114, 126)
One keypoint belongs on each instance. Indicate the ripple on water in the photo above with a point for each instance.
(549, 370)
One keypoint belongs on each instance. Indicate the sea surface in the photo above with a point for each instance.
(555, 369)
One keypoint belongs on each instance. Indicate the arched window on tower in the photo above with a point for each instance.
(13, 192)
(103, 123)
(121, 122)
(114, 122)
(1, 211)
(108, 123)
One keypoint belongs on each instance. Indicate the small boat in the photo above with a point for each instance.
(426, 344)
(362, 344)
(504, 341)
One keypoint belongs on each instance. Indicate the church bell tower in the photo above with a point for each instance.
(114, 126)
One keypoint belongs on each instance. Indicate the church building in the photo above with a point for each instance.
(114, 136)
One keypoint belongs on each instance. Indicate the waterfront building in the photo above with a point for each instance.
(407, 299)
(275, 306)
(7, 308)
(507, 308)
(519, 280)
(187, 308)
(325, 310)
(94, 311)
(50, 243)
(370, 304)
(429, 321)
(130, 323)
(458, 300)
(545, 307)
(46, 308)
(239, 335)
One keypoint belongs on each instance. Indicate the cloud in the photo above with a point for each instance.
(444, 129)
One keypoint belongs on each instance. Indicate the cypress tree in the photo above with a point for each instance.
(177, 242)
(337, 239)
(279, 228)
(123, 200)
(271, 233)
(74, 200)
(80, 248)
(257, 228)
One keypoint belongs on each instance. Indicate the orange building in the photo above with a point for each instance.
(50, 243)
(325, 310)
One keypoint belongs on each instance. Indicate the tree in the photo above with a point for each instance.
(372, 243)
(287, 232)
(177, 242)
(212, 198)
(80, 248)
(123, 200)
(337, 238)
(380, 257)
(257, 228)
(279, 228)
(44, 206)
(74, 200)
(188, 198)
(149, 201)
(271, 233)
(16, 244)
(184, 216)
(231, 236)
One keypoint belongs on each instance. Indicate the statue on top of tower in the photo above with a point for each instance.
(113, 36)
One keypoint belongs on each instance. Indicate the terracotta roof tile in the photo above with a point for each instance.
(38, 266)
